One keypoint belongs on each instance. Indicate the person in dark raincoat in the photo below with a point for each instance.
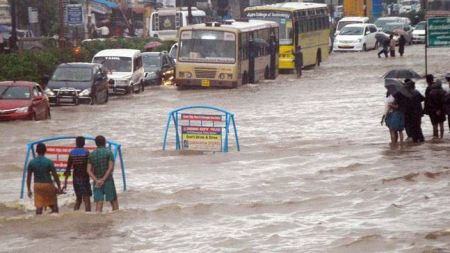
(298, 60)
(385, 43)
(401, 45)
(414, 113)
(447, 100)
(436, 96)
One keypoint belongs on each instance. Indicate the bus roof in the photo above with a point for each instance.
(235, 25)
(289, 6)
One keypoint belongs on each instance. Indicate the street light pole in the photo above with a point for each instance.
(13, 39)
(61, 23)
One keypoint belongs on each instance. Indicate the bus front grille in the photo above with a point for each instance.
(205, 72)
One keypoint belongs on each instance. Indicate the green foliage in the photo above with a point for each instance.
(32, 65)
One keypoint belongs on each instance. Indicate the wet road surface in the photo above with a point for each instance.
(315, 173)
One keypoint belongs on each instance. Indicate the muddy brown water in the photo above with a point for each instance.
(315, 173)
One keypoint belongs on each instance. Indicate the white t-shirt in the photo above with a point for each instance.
(387, 101)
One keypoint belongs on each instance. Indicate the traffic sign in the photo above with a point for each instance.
(74, 14)
(438, 32)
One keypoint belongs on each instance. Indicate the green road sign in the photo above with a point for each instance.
(438, 32)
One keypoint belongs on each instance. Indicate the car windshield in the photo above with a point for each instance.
(208, 46)
(115, 63)
(283, 19)
(72, 74)
(341, 24)
(14, 92)
(151, 61)
(382, 22)
(350, 30)
(390, 27)
(420, 26)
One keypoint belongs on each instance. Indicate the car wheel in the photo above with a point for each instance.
(49, 115)
(364, 48)
(129, 90)
(93, 100)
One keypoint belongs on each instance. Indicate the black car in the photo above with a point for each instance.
(76, 83)
(159, 68)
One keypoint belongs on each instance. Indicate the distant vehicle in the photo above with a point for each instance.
(159, 68)
(23, 100)
(409, 5)
(438, 8)
(383, 21)
(125, 70)
(165, 22)
(301, 24)
(405, 29)
(173, 51)
(356, 37)
(76, 83)
(418, 33)
(227, 55)
(350, 20)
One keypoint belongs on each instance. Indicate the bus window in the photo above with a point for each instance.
(208, 46)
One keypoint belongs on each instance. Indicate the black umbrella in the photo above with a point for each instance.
(402, 74)
(395, 86)
(381, 37)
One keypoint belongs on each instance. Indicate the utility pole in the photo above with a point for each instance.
(13, 39)
(61, 23)
(190, 18)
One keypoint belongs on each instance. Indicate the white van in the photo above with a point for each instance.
(165, 22)
(350, 20)
(125, 69)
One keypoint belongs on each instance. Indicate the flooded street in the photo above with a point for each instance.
(315, 173)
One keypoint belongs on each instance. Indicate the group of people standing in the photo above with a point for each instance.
(405, 112)
(97, 166)
(388, 46)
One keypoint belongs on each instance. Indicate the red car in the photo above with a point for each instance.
(23, 100)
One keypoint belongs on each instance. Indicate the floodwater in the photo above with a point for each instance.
(315, 173)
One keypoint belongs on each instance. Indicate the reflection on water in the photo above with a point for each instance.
(315, 174)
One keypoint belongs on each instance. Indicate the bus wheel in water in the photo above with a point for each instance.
(267, 73)
(244, 78)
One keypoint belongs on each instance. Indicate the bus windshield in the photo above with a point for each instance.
(283, 19)
(207, 46)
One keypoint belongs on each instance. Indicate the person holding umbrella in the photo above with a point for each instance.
(401, 44)
(384, 41)
(414, 113)
(434, 102)
(447, 100)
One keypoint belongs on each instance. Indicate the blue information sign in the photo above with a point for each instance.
(74, 14)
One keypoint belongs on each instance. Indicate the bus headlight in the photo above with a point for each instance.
(185, 74)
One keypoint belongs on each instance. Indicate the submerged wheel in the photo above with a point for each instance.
(267, 73)
(364, 48)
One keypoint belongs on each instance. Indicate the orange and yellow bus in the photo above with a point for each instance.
(304, 24)
(227, 54)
